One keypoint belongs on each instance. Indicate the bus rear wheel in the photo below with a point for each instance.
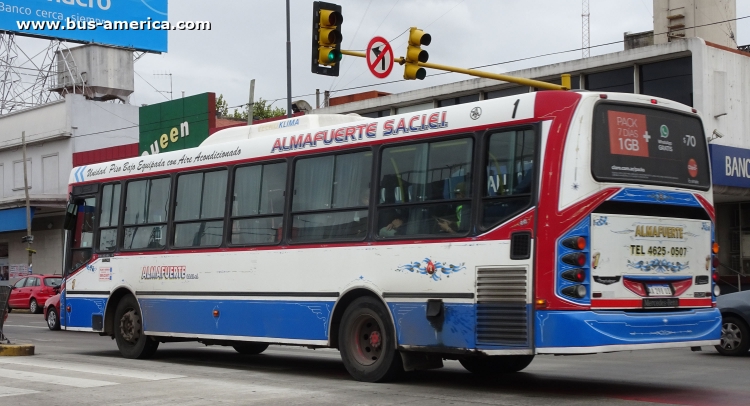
(250, 348)
(367, 342)
(131, 341)
(496, 365)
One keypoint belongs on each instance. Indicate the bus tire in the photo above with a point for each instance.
(250, 348)
(367, 342)
(496, 365)
(735, 337)
(131, 341)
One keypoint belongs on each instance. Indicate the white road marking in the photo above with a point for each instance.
(89, 368)
(53, 379)
(21, 325)
(6, 391)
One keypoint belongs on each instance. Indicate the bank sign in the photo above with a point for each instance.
(177, 124)
(68, 20)
(730, 166)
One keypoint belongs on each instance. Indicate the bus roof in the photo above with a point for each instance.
(326, 132)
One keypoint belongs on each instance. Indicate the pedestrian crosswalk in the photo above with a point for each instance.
(30, 375)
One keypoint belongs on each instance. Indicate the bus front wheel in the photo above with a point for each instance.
(495, 365)
(367, 342)
(131, 341)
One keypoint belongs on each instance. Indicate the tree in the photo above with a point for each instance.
(261, 109)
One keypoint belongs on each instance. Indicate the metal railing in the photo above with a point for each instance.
(739, 276)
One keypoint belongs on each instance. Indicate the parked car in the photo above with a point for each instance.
(29, 292)
(52, 312)
(735, 329)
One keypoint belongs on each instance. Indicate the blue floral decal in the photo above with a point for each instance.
(601, 221)
(432, 268)
(659, 265)
(706, 226)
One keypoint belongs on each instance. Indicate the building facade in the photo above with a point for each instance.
(55, 134)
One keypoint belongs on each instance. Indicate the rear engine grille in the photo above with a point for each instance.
(502, 317)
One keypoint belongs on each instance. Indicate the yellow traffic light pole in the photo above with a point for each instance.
(478, 73)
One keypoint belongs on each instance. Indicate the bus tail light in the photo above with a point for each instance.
(576, 243)
(717, 290)
(715, 248)
(635, 287)
(574, 275)
(575, 259)
(680, 287)
(576, 291)
(715, 277)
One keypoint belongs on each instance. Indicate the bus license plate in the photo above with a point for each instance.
(659, 290)
(661, 302)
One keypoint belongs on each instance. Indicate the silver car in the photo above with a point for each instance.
(735, 329)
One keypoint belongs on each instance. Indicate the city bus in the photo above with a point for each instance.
(490, 232)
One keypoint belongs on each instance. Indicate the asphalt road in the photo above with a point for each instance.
(85, 369)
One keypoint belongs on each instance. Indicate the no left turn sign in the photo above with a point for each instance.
(379, 57)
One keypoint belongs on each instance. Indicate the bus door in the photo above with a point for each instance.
(80, 218)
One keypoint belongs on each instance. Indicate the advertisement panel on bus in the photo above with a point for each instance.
(85, 21)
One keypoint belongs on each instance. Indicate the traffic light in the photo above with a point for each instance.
(415, 54)
(326, 38)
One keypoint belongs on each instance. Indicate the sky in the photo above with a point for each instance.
(248, 41)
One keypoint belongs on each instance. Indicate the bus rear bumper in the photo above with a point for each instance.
(586, 332)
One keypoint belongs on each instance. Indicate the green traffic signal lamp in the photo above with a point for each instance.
(326, 41)
(328, 56)
(415, 54)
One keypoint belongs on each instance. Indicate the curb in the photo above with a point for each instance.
(16, 350)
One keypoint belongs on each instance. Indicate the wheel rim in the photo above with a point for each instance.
(731, 336)
(367, 337)
(32, 306)
(51, 318)
(130, 326)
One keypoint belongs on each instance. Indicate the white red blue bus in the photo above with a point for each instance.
(489, 232)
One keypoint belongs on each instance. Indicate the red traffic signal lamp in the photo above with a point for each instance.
(415, 54)
(326, 38)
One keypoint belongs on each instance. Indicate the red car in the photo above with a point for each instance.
(52, 312)
(33, 290)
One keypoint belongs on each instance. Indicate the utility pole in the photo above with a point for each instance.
(326, 98)
(317, 98)
(288, 65)
(585, 30)
(28, 237)
(251, 103)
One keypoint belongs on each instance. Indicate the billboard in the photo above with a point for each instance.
(177, 124)
(85, 21)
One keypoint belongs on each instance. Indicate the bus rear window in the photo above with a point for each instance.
(649, 146)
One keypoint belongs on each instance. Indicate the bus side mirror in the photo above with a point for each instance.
(70, 216)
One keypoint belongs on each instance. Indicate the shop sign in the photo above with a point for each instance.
(730, 166)
(177, 124)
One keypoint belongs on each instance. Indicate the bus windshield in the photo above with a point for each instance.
(649, 146)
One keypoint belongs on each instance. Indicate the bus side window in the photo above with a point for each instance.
(199, 209)
(331, 197)
(146, 210)
(258, 204)
(425, 189)
(509, 176)
(109, 217)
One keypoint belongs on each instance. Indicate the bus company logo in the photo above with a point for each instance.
(475, 113)
(431, 268)
(692, 168)
(659, 231)
(164, 273)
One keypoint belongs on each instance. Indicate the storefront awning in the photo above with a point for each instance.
(14, 219)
